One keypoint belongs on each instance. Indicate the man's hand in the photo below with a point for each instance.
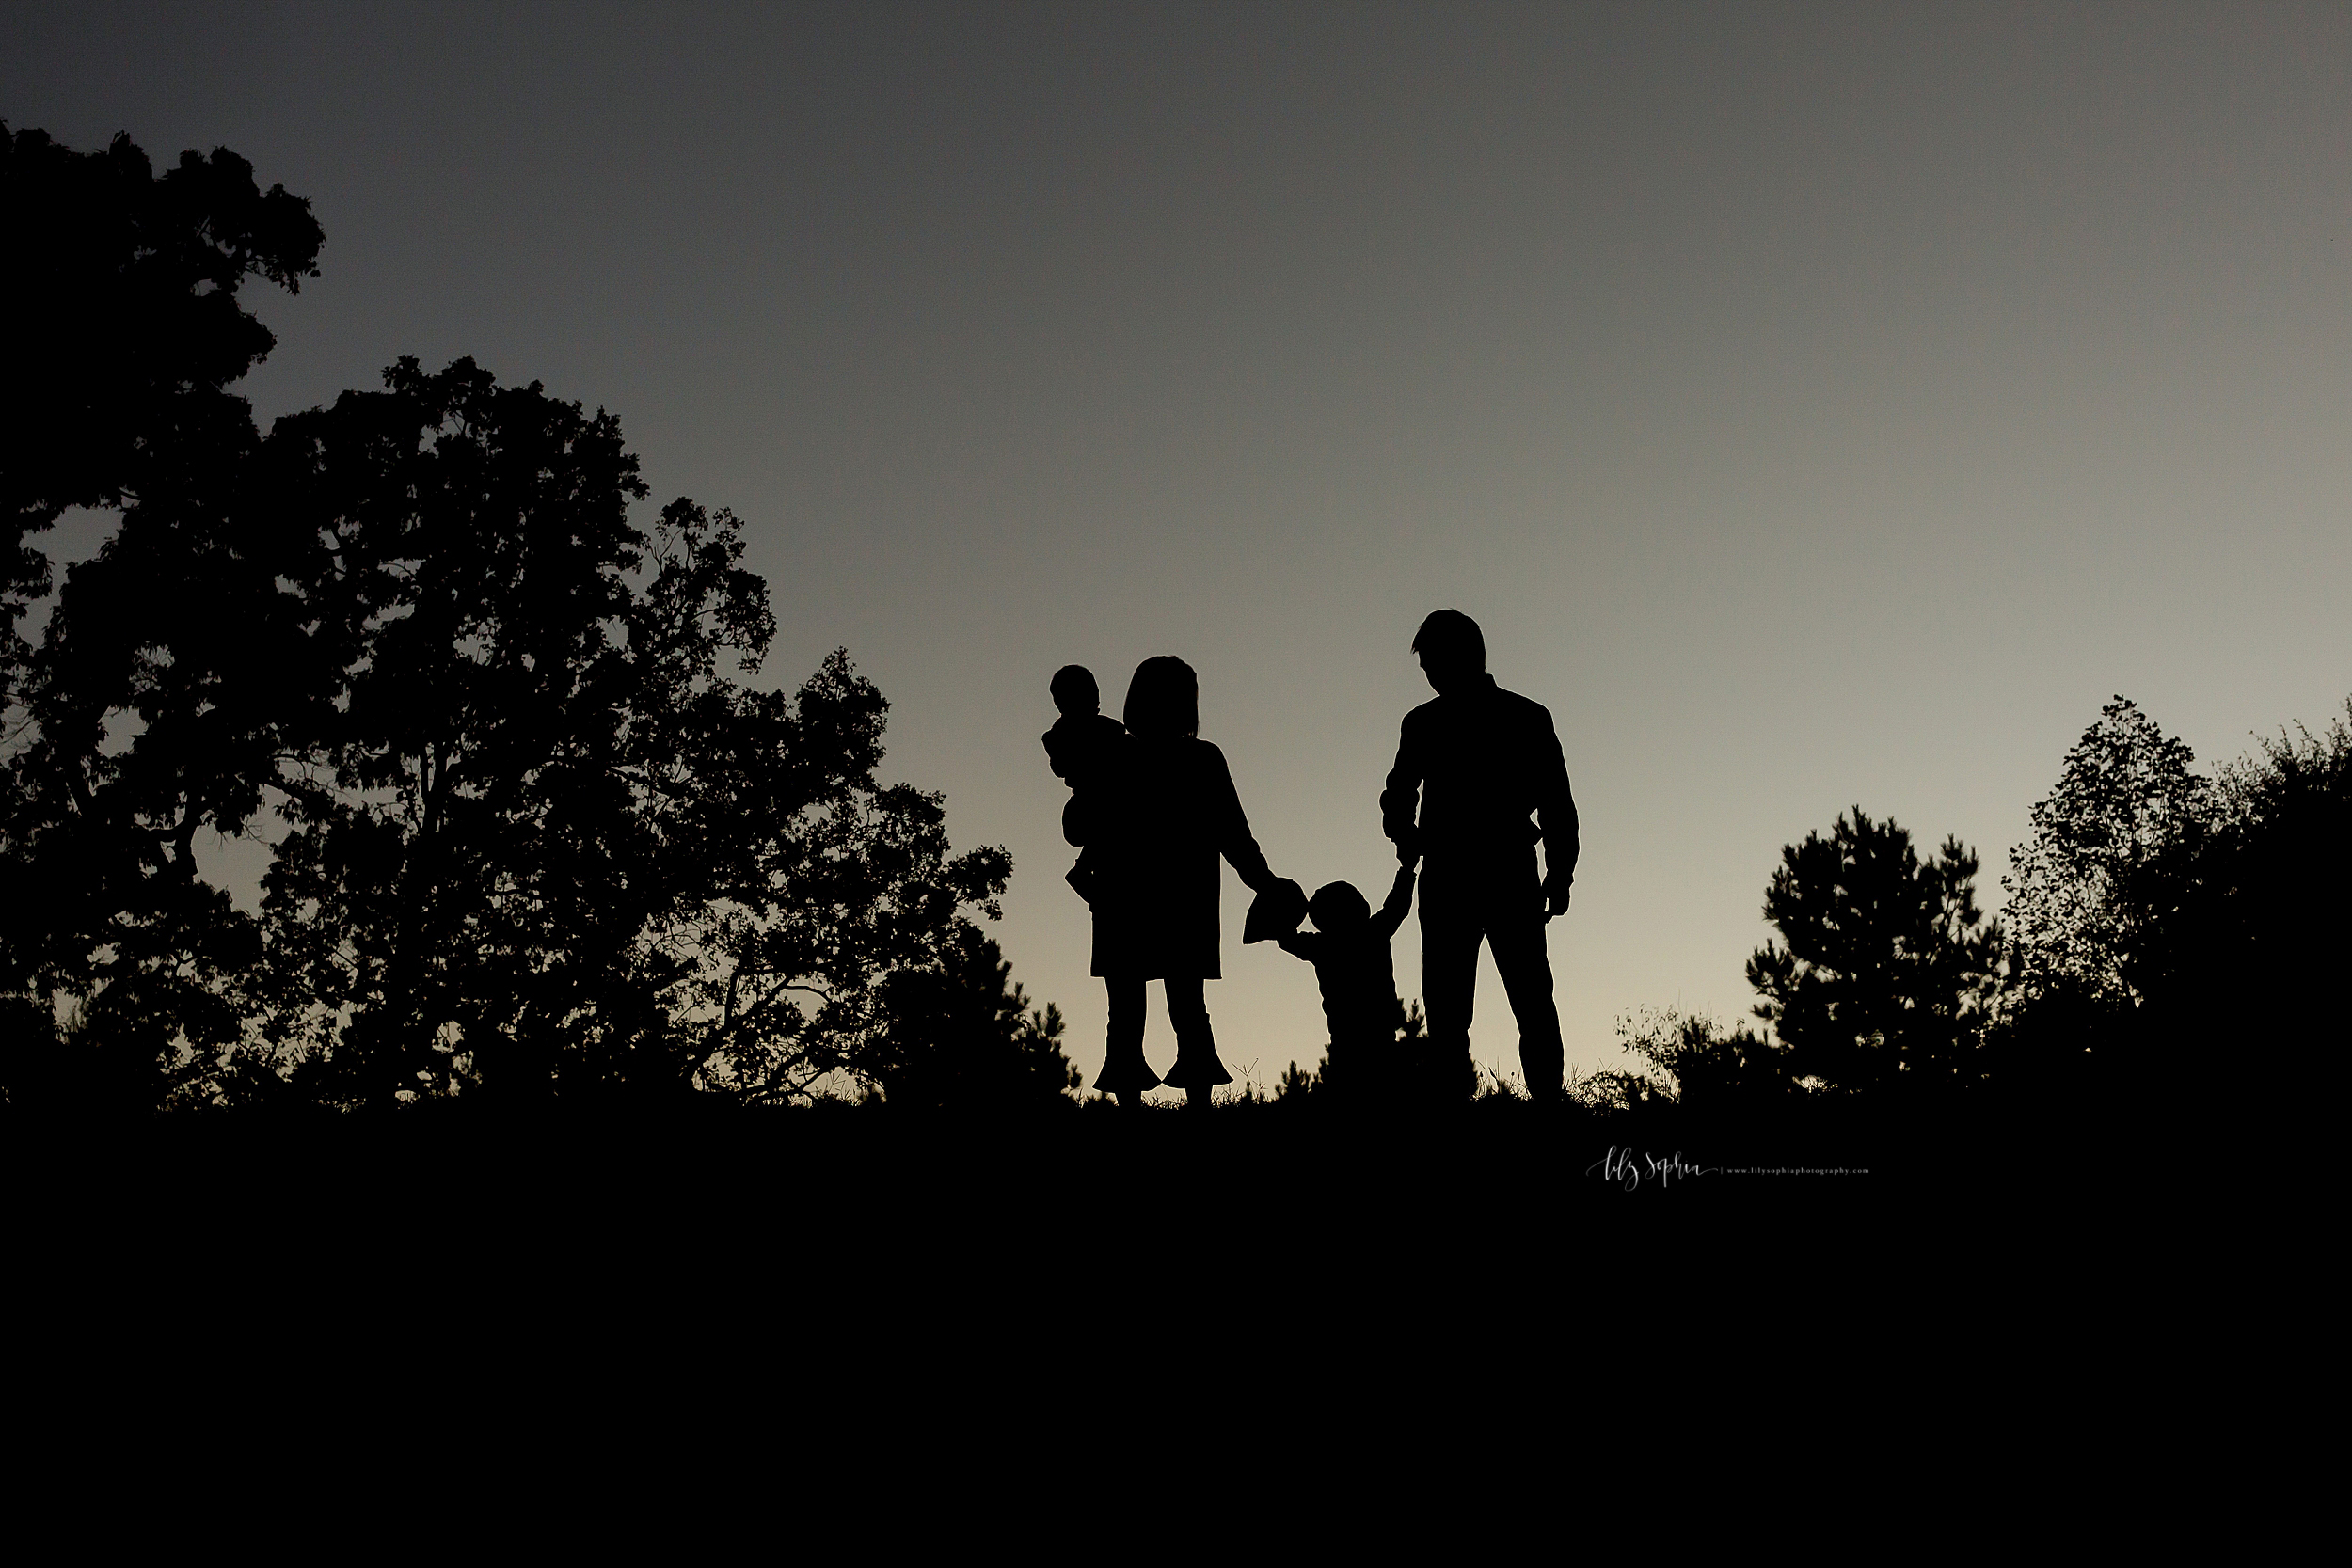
(1556, 897)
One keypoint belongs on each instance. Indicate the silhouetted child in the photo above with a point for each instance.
(1349, 948)
(1084, 748)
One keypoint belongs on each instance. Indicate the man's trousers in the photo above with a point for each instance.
(1495, 899)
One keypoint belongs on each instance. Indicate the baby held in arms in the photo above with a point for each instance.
(1083, 748)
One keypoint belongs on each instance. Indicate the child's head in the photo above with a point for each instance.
(1337, 908)
(1074, 691)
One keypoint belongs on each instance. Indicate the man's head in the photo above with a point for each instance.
(1074, 691)
(1164, 699)
(1338, 907)
(1452, 650)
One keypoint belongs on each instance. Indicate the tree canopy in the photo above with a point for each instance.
(534, 831)
(125, 329)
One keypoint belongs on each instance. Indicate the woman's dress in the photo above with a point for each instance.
(1172, 815)
(1175, 813)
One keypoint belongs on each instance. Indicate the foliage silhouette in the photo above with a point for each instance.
(534, 838)
(960, 1034)
(1699, 1064)
(2268, 898)
(2099, 873)
(1885, 966)
(548, 838)
(164, 679)
(124, 329)
(2185, 906)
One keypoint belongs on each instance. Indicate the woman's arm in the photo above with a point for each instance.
(1230, 825)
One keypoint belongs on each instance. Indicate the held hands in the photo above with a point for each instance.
(1556, 897)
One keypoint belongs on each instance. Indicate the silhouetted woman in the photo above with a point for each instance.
(1172, 813)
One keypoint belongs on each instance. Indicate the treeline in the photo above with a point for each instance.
(532, 831)
(2159, 921)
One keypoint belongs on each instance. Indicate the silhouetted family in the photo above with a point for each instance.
(1479, 782)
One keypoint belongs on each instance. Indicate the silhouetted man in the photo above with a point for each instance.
(1477, 762)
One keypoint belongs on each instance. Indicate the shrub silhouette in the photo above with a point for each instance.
(1700, 1065)
(961, 1036)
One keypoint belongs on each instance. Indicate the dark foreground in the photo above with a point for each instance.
(756, 1182)
(571, 1258)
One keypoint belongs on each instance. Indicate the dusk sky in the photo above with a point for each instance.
(1816, 406)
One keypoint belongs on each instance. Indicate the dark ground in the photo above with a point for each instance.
(1282, 1188)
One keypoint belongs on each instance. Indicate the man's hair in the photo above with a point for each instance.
(1337, 904)
(1074, 691)
(1449, 637)
(1164, 699)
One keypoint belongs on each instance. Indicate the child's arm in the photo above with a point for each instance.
(1058, 753)
(1392, 913)
(1298, 945)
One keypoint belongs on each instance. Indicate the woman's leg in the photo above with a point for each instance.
(1196, 1045)
(1126, 1075)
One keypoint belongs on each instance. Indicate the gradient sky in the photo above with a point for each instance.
(1816, 406)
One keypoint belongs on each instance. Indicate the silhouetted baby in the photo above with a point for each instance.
(1084, 748)
(1349, 948)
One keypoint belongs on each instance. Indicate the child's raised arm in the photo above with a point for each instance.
(1392, 913)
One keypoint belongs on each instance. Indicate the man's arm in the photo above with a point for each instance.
(1401, 800)
(1555, 815)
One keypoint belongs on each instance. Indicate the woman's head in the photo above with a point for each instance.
(1164, 699)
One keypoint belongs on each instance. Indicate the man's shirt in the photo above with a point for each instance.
(1471, 766)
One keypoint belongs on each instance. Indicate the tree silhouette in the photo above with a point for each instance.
(2264, 921)
(159, 694)
(536, 839)
(1887, 962)
(546, 842)
(2104, 866)
(125, 329)
(2163, 916)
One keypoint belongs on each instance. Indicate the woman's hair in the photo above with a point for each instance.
(1164, 699)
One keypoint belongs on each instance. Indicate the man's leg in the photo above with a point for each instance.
(1449, 987)
(1525, 965)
